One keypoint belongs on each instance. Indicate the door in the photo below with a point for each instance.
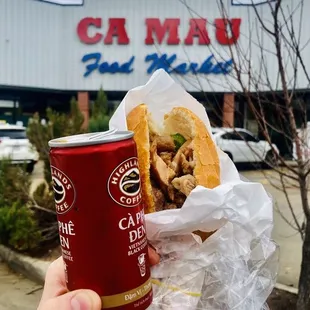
(231, 142)
(254, 149)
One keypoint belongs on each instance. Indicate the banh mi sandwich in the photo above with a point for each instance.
(173, 160)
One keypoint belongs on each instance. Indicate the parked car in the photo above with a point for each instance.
(243, 147)
(15, 145)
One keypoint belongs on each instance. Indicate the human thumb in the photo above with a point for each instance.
(76, 300)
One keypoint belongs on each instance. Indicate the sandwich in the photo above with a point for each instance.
(174, 159)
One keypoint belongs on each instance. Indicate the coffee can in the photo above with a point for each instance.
(100, 215)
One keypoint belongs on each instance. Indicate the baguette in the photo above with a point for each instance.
(172, 160)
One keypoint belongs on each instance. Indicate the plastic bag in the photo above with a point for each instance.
(236, 267)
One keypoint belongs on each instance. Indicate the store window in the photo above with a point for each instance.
(7, 113)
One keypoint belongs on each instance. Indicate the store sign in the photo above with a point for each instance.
(90, 31)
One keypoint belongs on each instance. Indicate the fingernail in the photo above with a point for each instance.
(81, 301)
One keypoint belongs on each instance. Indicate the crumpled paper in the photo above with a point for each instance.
(236, 267)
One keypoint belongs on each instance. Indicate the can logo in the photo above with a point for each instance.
(64, 192)
(124, 183)
(141, 264)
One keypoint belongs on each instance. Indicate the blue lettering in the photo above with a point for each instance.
(206, 66)
(160, 62)
(157, 61)
(93, 66)
(227, 66)
(181, 69)
(106, 67)
(126, 67)
(193, 67)
(209, 66)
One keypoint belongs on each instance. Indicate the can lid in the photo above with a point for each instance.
(111, 135)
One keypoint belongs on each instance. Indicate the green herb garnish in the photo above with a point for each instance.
(179, 140)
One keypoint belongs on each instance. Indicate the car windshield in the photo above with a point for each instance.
(246, 136)
(13, 134)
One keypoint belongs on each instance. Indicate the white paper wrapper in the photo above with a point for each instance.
(236, 267)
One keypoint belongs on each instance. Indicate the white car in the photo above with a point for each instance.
(15, 146)
(243, 147)
(304, 136)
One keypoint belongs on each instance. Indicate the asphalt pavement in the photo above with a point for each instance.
(17, 292)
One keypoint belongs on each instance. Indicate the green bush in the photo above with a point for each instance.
(44, 197)
(18, 224)
(99, 123)
(14, 184)
(58, 125)
(18, 227)
(30, 223)
(100, 114)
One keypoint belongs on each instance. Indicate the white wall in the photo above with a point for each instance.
(39, 46)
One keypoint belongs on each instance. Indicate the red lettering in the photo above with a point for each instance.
(224, 27)
(197, 29)
(117, 29)
(154, 26)
(82, 30)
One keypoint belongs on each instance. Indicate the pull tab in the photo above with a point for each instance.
(103, 134)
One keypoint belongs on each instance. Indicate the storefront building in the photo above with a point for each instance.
(51, 52)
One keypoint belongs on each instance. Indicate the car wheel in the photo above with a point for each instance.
(30, 167)
(271, 159)
(229, 155)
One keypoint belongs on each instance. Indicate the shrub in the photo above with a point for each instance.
(26, 222)
(18, 227)
(18, 224)
(58, 125)
(44, 197)
(14, 184)
(100, 113)
(39, 133)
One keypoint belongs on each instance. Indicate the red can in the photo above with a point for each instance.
(101, 217)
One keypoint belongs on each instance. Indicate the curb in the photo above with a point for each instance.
(291, 163)
(34, 269)
(286, 288)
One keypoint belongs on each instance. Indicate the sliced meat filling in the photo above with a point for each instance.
(167, 157)
(171, 171)
(185, 184)
(159, 198)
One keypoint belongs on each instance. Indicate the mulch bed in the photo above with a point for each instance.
(282, 300)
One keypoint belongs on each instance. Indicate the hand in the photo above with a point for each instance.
(56, 296)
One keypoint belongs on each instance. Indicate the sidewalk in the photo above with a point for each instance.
(287, 238)
(16, 291)
(34, 269)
